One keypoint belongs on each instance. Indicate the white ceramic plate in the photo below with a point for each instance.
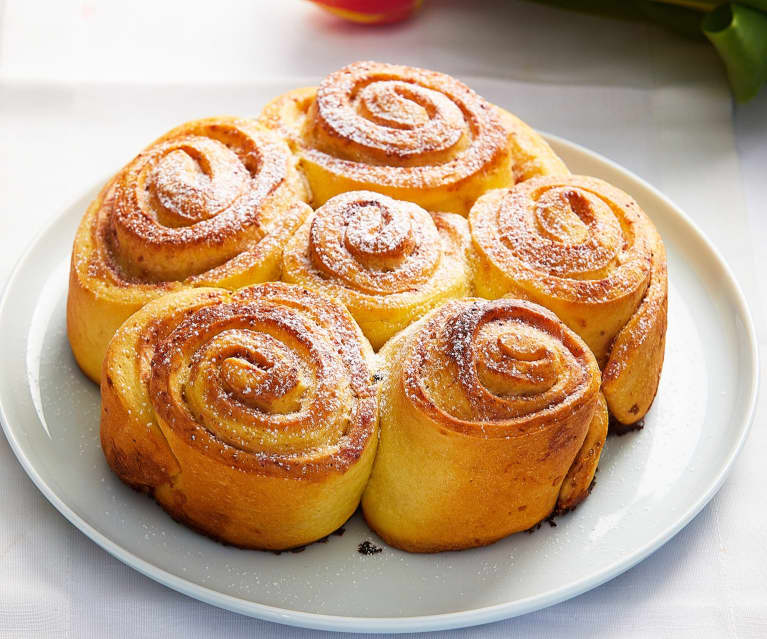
(650, 483)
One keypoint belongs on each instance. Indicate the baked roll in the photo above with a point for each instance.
(412, 134)
(210, 203)
(386, 260)
(250, 416)
(490, 413)
(585, 250)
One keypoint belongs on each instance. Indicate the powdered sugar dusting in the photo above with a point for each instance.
(374, 244)
(402, 126)
(275, 379)
(512, 361)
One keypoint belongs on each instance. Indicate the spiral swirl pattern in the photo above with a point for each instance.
(387, 260)
(574, 244)
(252, 416)
(409, 133)
(377, 118)
(580, 236)
(374, 244)
(485, 406)
(585, 250)
(211, 203)
(194, 200)
(400, 117)
(264, 374)
(514, 362)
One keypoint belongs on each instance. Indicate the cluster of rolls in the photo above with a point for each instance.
(383, 291)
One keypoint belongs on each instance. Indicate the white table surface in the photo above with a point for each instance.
(83, 85)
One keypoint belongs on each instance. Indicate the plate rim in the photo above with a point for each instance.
(442, 621)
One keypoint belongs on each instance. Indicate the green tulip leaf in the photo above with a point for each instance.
(739, 34)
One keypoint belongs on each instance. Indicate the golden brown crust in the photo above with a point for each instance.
(631, 376)
(251, 415)
(209, 203)
(584, 249)
(409, 133)
(387, 261)
(578, 481)
(484, 406)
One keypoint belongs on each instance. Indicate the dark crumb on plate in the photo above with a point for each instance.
(532, 529)
(368, 548)
(323, 540)
(549, 520)
(559, 512)
(618, 429)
